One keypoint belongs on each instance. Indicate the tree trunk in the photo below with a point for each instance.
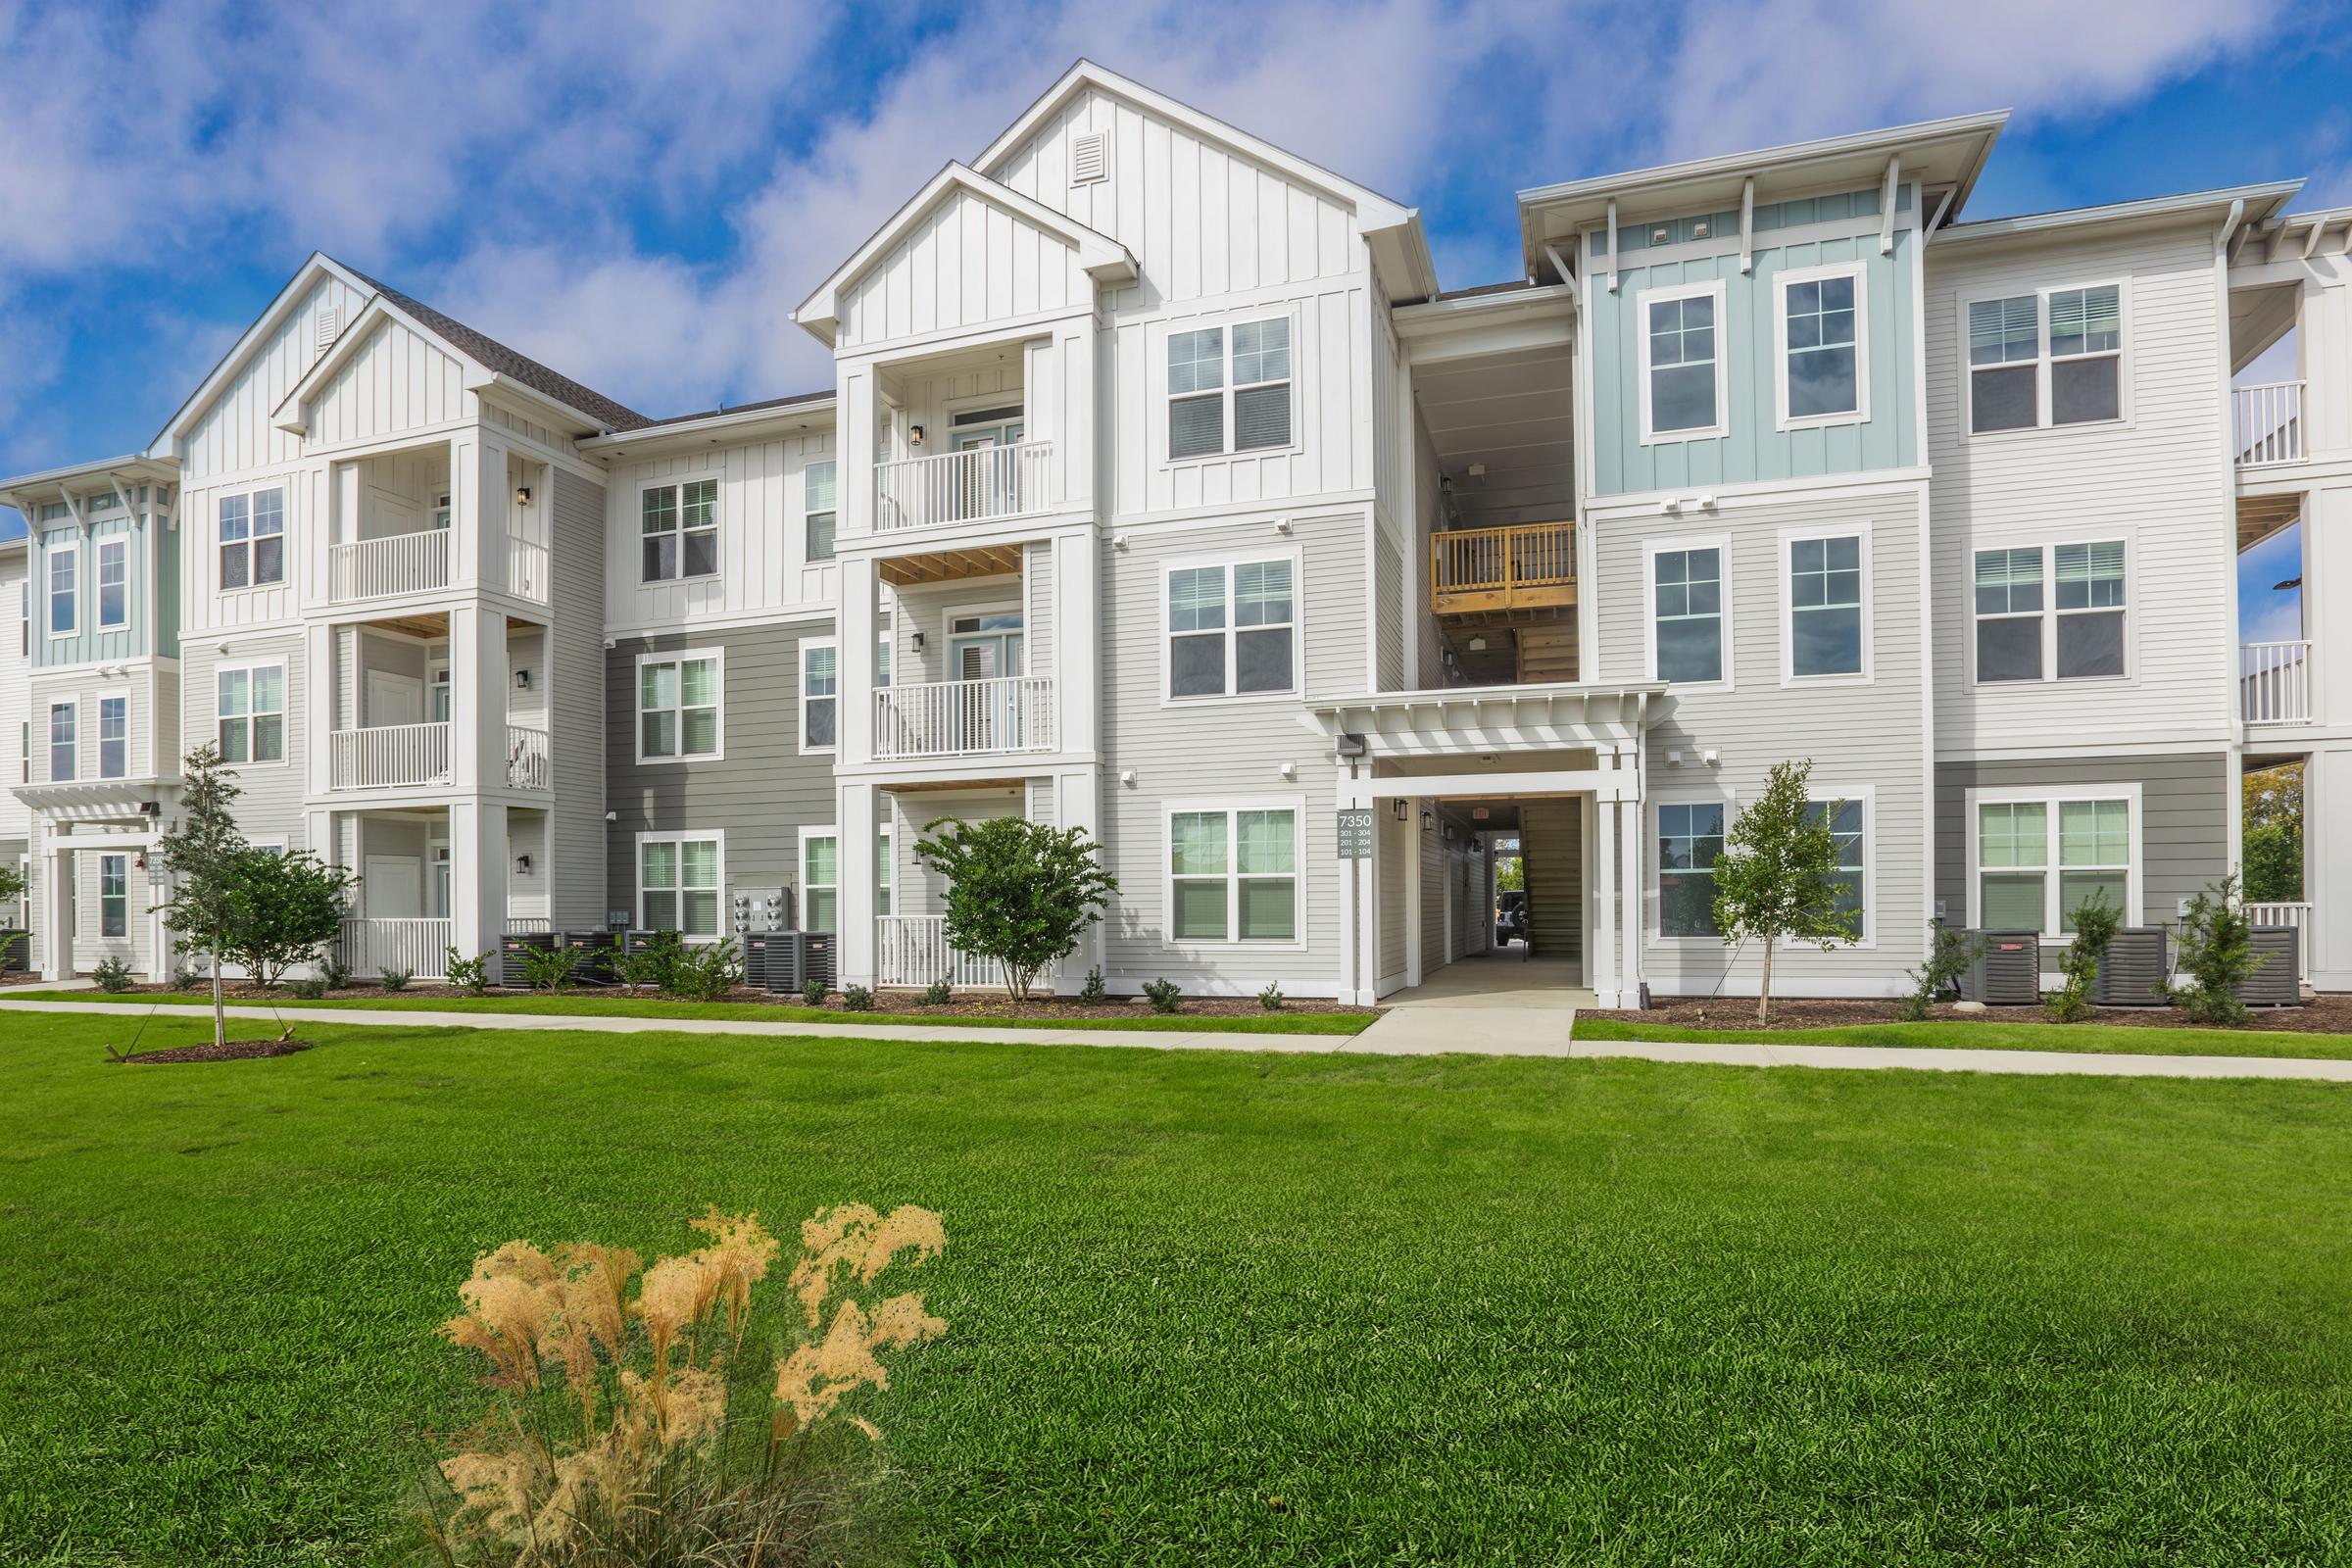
(219, 1007)
(1764, 996)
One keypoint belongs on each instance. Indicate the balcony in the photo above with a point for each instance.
(1481, 570)
(417, 945)
(2268, 422)
(964, 717)
(2273, 682)
(394, 563)
(969, 486)
(528, 764)
(388, 756)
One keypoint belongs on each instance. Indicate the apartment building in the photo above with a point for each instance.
(1161, 491)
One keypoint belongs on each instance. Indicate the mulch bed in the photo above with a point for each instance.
(2326, 1014)
(233, 1051)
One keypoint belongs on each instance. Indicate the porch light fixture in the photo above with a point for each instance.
(1429, 819)
(917, 640)
(523, 680)
(914, 435)
(522, 495)
(1398, 807)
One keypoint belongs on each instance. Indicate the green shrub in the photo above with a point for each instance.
(2095, 928)
(334, 971)
(1092, 993)
(469, 975)
(397, 979)
(703, 972)
(2216, 952)
(309, 988)
(648, 970)
(1165, 994)
(856, 999)
(546, 968)
(1949, 955)
(113, 974)
(186, 976)
(813, 992)
(939, 994)
(1271, 998)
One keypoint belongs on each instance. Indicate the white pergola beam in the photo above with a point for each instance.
(1894, 168)
(1747, 224)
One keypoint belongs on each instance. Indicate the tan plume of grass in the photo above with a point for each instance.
(625, 1430)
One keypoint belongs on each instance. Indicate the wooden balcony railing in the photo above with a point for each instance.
(1526, 566)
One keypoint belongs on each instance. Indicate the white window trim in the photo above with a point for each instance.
(1226, 321)
(680, 530)
(1791, 537)
(49, 738)
(1821, 793)
(718, 656)
(800, 677)
(807, 513)
(1651, 549)
(683, 837)
(1782, 419)
(282, 536)
(124, 699)
(2048, 545)
(285, 728)
(2051, 797)
(1642, 301)
(1653, 926)
(101, 933)
(883, 848)
(1168, 651)
(1296, 805)
(50, 595)
(121, 546)
(2043, 360)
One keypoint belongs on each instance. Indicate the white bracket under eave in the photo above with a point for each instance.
(1894, 168)
(1747, 224)
(1612, 245)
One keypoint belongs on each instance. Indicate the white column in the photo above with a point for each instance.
(860, 632)
(1412, 891)
(1602, 939)
(1630, 889)
(57, 910)
(478, 679)
(319, 719)
(1078, 801)
(1369, 913)
(856, 818)
(1346, 888)
(477, 877)
(1077, 634)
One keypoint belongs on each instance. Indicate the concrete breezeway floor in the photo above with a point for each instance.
(1505, 1002)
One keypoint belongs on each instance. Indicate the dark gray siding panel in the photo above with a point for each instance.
(576, 695)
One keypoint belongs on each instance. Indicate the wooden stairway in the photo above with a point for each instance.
(1546, 653)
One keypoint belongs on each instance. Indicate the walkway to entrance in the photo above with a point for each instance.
(1504, 979)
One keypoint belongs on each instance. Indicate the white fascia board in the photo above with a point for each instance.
(2262, 202)
(738, 423)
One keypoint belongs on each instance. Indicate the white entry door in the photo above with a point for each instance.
(393, 699)
(393, 888)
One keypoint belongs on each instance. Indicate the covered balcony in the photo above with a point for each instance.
(413, 876)
(963, 444)
(395, 698)
(399, 530)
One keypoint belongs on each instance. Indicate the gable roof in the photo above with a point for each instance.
(494, 357)
(1105, 259)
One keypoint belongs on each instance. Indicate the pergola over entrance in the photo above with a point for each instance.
(1484, 744)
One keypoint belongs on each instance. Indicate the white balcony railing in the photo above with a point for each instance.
(2269, 422)
(369, 947)
(964, 717)
(396, 563)
(2273, 682)
(527, 570)
(911, 951)
(2297, 915)
(968, 486)
(528, 766)
(388, 756)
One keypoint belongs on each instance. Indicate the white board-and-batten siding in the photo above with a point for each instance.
(764, 566)
(964, 264)
(236, 432)
(396, 379)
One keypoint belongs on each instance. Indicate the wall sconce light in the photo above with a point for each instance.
(522, 863)
(522, 495)
(1429, 819)
(1398, 809)
(918, 639)
(914, 435)
(1449, 832)
(523, 680)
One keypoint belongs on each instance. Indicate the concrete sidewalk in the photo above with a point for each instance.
(1497, 1032)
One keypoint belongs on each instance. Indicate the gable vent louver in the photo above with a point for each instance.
(1089, 158)
(330, 322)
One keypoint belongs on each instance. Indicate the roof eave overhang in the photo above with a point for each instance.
(56, 483)
(2262, 203)
(731, 423)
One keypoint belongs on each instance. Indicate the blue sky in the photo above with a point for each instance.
(639, 196)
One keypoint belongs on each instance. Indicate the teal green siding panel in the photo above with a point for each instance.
(1752, 450)
(89, 642)
(165, 550)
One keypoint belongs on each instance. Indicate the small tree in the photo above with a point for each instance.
(2096, 923)
(284, 910)
(2216, 952)
(1510, 874)
(11, 888)
(200, 851)
(1018, 892)
(1777, 876)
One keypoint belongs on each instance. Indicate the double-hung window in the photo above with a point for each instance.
(678, 884)
(252, 713)
(1689, 838)
(677, 707)
(1230, 382)
(821, 881)
(1826, 607)
(2045, 609)
(1686, 630)
(2020, 886)
(820, 684)
(113, 895)
(64, 719)
(816, 496)
(1233, 874)
(1824, 348)
(677, 526)
(114, 584)
(253, 539)
(1233, 629)
(1845, 818)
(2051, 358)
(114, 737)
(1683, 380)
(65, 589)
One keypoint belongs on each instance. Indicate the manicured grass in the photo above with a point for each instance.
(1121, 1017)
(1952, 1034)
(1210, 1307)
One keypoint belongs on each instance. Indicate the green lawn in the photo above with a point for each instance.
(1121, 1017)
(1956, 1035)
(1447, 1310)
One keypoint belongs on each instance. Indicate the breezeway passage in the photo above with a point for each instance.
(1465, 1031)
